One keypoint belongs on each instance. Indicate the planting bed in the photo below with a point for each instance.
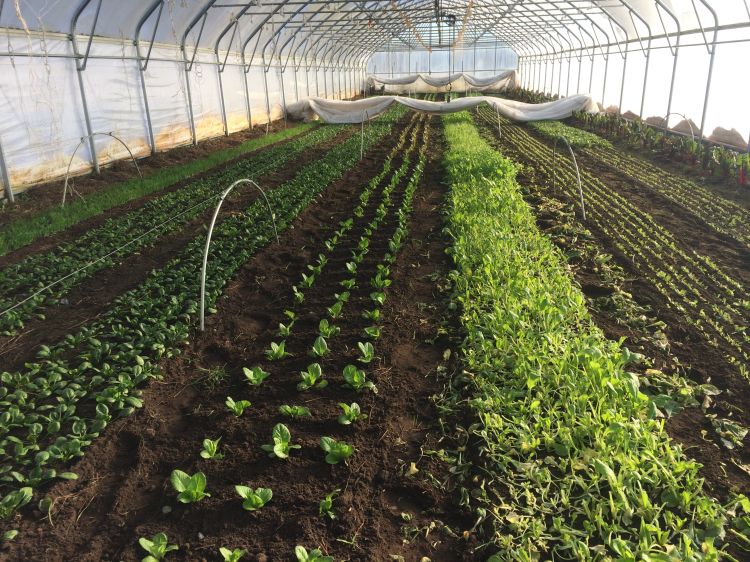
(438, 359)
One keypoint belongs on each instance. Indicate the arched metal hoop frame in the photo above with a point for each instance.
(88, 138)
(575, 165)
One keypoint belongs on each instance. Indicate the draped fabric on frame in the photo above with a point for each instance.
(432, 84)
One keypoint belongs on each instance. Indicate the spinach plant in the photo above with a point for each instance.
(14, 500)
(211, 449)
(320, 347)
(282, 442)
(336, 451)
(328, 330)
(378, 297)
(255, 376)
(157, 547)
(366, 352)
(277, 351)
(190, 488)
(294, 412)
(356, 379)
(372, 332)
(325, 507)
(238, 407)
(314, 555)
(313, 377)
(254, 499)
(231, 555)
(352, 413)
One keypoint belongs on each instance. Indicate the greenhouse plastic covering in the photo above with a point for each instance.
(432, 84)
(160, 73)
(332, 111)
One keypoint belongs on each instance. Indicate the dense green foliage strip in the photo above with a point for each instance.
(44, 421)
(142, 227)
(24, 231)
(578, 138)
(575, 465)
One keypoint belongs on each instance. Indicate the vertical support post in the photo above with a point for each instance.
(219, 71)
(604, 82)
(268, 99)
(296, 86)
(708, 88)
(247, 96)
(87, 119)
(191, 117)
(645, 79)
(622, 81)
(6, 177)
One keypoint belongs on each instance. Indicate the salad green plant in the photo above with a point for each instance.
(255, 376)
(356, 379)
(237, 407)
(233, 555)
(253, 499)
(294, 412)
(328, 330)
(320, 347)
(157, 547)
(314, 555)
(336, 451)
(282, 442)
(325, 506)
(277, 351)
(211, 449)
(190, 489)
(351, 413)
(366, 352)
(312, 378)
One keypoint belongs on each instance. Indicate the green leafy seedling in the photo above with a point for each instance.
(378, 297)
(14, 500)
(157, 547)
(294, 412)
(320, 347)
(372, 332)
(313, 377)
(348, 284)
(299, 296)
(356, 379)
(285, 329)
(255, 376)
(328, 330)
(314, 555)
(281, 446)
(352, 413)
(231, 555)
(254, 499)
(334, 311)
(336, 451)
(307, 280)
(190, 488)
(366, 352)
(373, 314)
(238, 407)
(211, 449)
(277, 351)
(325, 507)
(9, 535)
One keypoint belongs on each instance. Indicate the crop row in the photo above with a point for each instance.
(55, 406)
(703, 294)
(720, 214)
(574, 464)
(197, 487)
(188, 202)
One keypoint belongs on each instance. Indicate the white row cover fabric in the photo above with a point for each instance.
(332, 111)
(433, 84)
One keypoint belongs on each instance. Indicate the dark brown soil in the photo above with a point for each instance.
(42, 196)
(688, 353)
(94, 295)
(383, 508)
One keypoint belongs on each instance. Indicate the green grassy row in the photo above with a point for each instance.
(24, 231)
(574, 463)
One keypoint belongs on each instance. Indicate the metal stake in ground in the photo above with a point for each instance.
(575, 163)
(365, 117)
(210, 232)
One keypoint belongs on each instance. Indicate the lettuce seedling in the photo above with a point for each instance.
(277, 351)
(307, 281)
(352, 413)
(320, 347)
(157, 547)
(254, 499)
(381, 281)
(373, 314)
(211, 449)
(366, 352)
(314, 555)
(237, 408)
(299, 296)
(351, 267)
(312, 377)
(294, 411)
(14, 500)
(255, 376)
(343, 297)
(325, 507)
(285, 329)
(336, 451)
(334, 311)
(281, 446)
(372, 332)
(378, 297)
(191, 488)
(231, 555)
(356, 379)
(348, 284)
(328, 330)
